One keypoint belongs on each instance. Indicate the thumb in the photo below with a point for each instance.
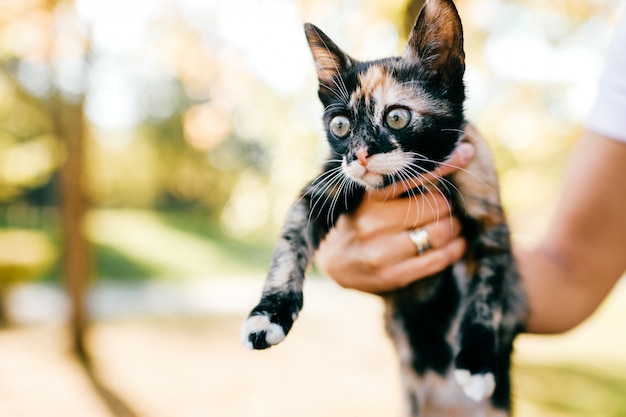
(460, 158)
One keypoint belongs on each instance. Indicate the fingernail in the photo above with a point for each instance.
(465, 152)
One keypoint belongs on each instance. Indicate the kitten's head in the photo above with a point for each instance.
(394, 118)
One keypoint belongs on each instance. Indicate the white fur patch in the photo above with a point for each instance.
(274, 333)
(477, 386)
(378, 165)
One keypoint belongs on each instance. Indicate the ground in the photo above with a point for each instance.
(336, 362)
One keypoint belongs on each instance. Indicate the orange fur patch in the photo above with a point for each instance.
(377, 85)
(373, 81)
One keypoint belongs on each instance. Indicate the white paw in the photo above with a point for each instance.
(476, 386)
(259, 332)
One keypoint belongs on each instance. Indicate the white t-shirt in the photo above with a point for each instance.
(608, 114)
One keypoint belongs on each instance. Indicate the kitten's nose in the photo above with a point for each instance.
(361, 156)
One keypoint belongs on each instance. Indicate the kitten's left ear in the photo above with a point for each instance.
(330, 61)
(437, 41)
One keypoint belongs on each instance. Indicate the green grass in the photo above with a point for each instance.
(115, 265)
(129, 243)
(254, 252)
(142, 244)
(573, 390)
(578, 373)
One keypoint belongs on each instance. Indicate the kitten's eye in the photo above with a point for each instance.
(398, 118)
(340, 126)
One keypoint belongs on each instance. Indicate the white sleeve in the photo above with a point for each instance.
(608, 114)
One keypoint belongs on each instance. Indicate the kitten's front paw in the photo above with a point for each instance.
(259, 332)
(476, 386)
(270, 321)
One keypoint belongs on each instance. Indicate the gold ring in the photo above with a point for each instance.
(421, 240)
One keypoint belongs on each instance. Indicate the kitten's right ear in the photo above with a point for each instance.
(437, 41)
(330, 61)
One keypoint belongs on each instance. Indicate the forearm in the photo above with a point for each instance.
(584, 252)
(559, 296)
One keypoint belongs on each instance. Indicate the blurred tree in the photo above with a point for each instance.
(77, 261)
(45, 52)
(207, 107)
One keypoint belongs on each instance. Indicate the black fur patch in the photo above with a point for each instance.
(426, 310)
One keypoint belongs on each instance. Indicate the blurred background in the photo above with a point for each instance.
(149, 151)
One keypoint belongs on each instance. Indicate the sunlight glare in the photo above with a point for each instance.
(269, 34)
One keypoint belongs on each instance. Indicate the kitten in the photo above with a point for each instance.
(387, 121)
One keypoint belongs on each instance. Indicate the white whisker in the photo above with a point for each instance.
(414, 170)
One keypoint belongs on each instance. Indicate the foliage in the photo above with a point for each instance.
(24, 255)
(210, 106)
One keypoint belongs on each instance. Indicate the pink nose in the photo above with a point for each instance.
(362, 155)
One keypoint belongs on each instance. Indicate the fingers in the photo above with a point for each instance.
(392, 276)
(388, 261)
(393, 248)
(435, 260)
(439, 233)
(400, 214)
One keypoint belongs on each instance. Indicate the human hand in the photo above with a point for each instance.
(370, 250)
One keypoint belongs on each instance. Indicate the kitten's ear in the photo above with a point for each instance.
(437, 41)
(330, 61)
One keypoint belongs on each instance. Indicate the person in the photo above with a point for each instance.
(566, 276)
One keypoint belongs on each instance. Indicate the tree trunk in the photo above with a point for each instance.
(76, 260)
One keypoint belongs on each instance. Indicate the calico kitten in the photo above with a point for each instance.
(387, 121)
